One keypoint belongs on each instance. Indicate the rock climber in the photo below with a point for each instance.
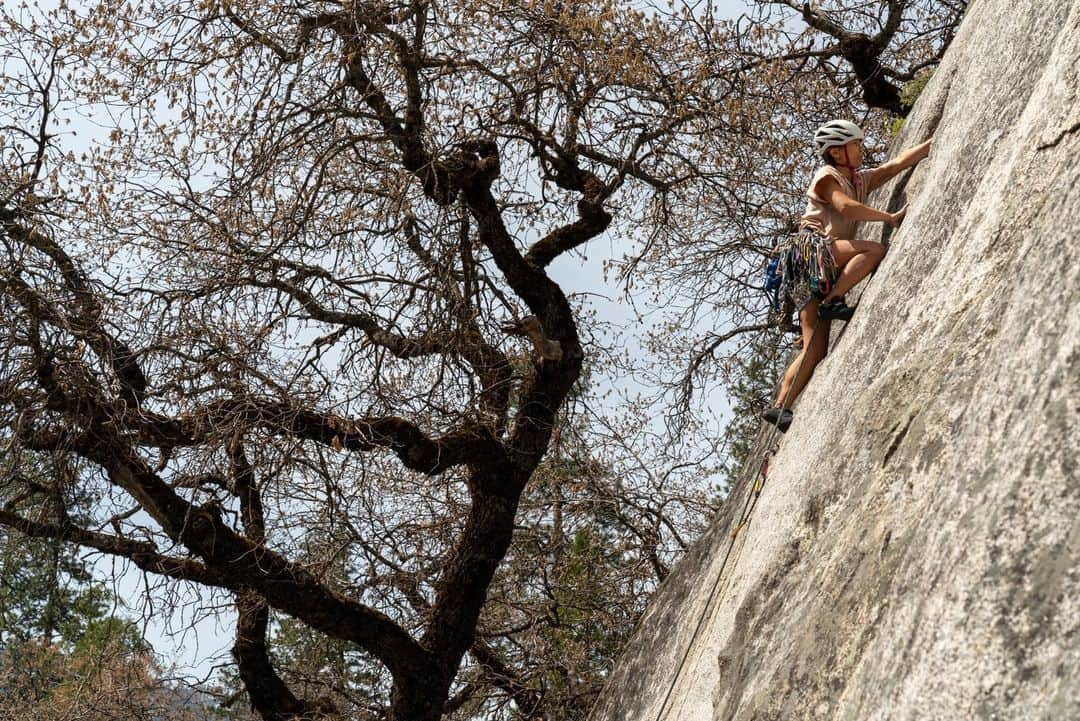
(823, 262)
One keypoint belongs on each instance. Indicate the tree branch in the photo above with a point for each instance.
(268, 692)
(145, 555)
(466, 444)
(87, 324)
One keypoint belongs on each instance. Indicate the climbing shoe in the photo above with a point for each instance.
(835, 310)
(779, 417)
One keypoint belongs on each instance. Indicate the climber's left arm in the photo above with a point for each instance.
(883, 173)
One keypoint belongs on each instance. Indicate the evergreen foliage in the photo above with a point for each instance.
(755, 374)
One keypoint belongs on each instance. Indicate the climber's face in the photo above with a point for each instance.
(854, 154)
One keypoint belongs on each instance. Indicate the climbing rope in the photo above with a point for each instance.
(744, 520)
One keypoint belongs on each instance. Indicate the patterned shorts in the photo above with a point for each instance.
(806, 268)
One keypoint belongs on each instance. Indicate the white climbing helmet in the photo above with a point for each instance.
(835, 133)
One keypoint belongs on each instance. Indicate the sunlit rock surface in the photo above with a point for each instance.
(914, 554)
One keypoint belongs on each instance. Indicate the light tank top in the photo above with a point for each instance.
(820, 216)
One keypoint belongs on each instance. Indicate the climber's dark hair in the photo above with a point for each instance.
(828, 159)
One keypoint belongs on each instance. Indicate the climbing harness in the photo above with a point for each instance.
(771, 447)
(801, 269)
(805, 263)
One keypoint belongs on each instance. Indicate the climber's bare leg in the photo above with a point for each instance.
(815, 347)
(857, 258)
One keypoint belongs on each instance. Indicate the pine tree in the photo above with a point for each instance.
(754, 379)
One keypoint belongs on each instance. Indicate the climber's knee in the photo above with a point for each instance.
(877, 252)
(845, 250)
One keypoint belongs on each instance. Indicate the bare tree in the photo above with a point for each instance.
(284, 297)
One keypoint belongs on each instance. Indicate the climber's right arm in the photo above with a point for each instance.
(880, 175)
(853, 209)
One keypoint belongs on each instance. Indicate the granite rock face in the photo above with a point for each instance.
(915, 553)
